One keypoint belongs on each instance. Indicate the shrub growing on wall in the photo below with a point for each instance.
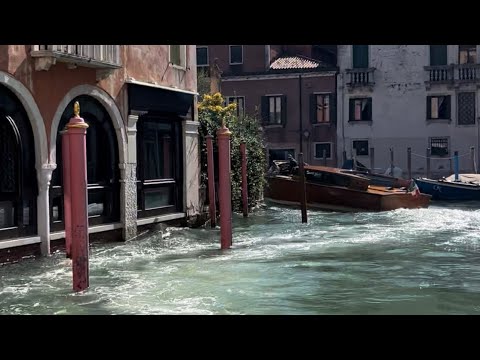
(211, 114)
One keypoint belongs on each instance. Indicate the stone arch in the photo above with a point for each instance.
(107, 102)
(34, 115)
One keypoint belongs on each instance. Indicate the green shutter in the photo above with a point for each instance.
(370, 109)
(333, 108)
(351, 106)
(360, 56)
(265, 109)
(449, 115)
(438, 55)
(429, 107)
(284, 109)
(313, 108)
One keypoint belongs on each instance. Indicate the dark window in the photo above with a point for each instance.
(361, 109)
(466, 108)
(322, 109)
(360, 147)
(102, 166)
(320, 147)
(280, 154)
(439, 146)
(274, 110)
(202, 56)
(240, 101)
(438, 55)
(438, 107)
(159, 165)
(467, 54)
(360, 56)
(236, 54)
(157, 151)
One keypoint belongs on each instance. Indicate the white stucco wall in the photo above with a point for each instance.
(399, 117)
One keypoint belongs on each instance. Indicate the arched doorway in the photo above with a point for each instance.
(102, 166)
(18, 181)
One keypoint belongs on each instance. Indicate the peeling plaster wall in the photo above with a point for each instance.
(399, 105)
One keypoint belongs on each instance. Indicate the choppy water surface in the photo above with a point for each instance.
(401, 262)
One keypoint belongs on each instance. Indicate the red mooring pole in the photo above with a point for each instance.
(212, 207)
(76, 136)
(224, 191)
(67, 210)
(243, 152)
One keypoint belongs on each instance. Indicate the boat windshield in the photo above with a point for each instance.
(327, 178)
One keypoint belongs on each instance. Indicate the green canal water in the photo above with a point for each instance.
(423, 261)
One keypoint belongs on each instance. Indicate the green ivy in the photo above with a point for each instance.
(244, 129)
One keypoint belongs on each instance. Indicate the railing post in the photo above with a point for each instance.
(456, 164)
(409, 162)
(391, 161)
(428, 162)
(243, 153)
(372, 159)
(211, 182)
(472, 159)
(303, 188)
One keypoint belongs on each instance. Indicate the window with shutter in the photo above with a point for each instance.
(360, 109)
(274, 110)
(438, 107)
(438, 55)
(360, 56)
(321, 108)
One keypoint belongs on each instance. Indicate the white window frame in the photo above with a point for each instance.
(230, 55)
(227, 101)
(449, 146)
(183, 57)
(315, 149)
(208, 55)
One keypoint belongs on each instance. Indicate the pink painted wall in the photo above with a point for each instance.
(147, 63)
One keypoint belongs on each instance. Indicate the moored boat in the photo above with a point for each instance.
(466, 187)
(334, 189)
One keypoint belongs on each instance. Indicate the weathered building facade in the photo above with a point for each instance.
(290, 88)
(401, 96)
(142, 140)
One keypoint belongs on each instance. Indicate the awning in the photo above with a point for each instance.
(148, 98)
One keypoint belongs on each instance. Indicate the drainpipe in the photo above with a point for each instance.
(300, 104)
(342, 82)
(267, 57)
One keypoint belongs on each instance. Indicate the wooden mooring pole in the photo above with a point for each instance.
(303, 188)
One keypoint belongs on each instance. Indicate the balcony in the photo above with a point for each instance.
(101, 57)
(467, 73)
(360, 77)
(442, 74)
(453, 75)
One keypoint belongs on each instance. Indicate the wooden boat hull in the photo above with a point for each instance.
(286, 190)
(450, 191)
(382, 180)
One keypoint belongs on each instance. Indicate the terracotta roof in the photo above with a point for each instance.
(295, 62)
